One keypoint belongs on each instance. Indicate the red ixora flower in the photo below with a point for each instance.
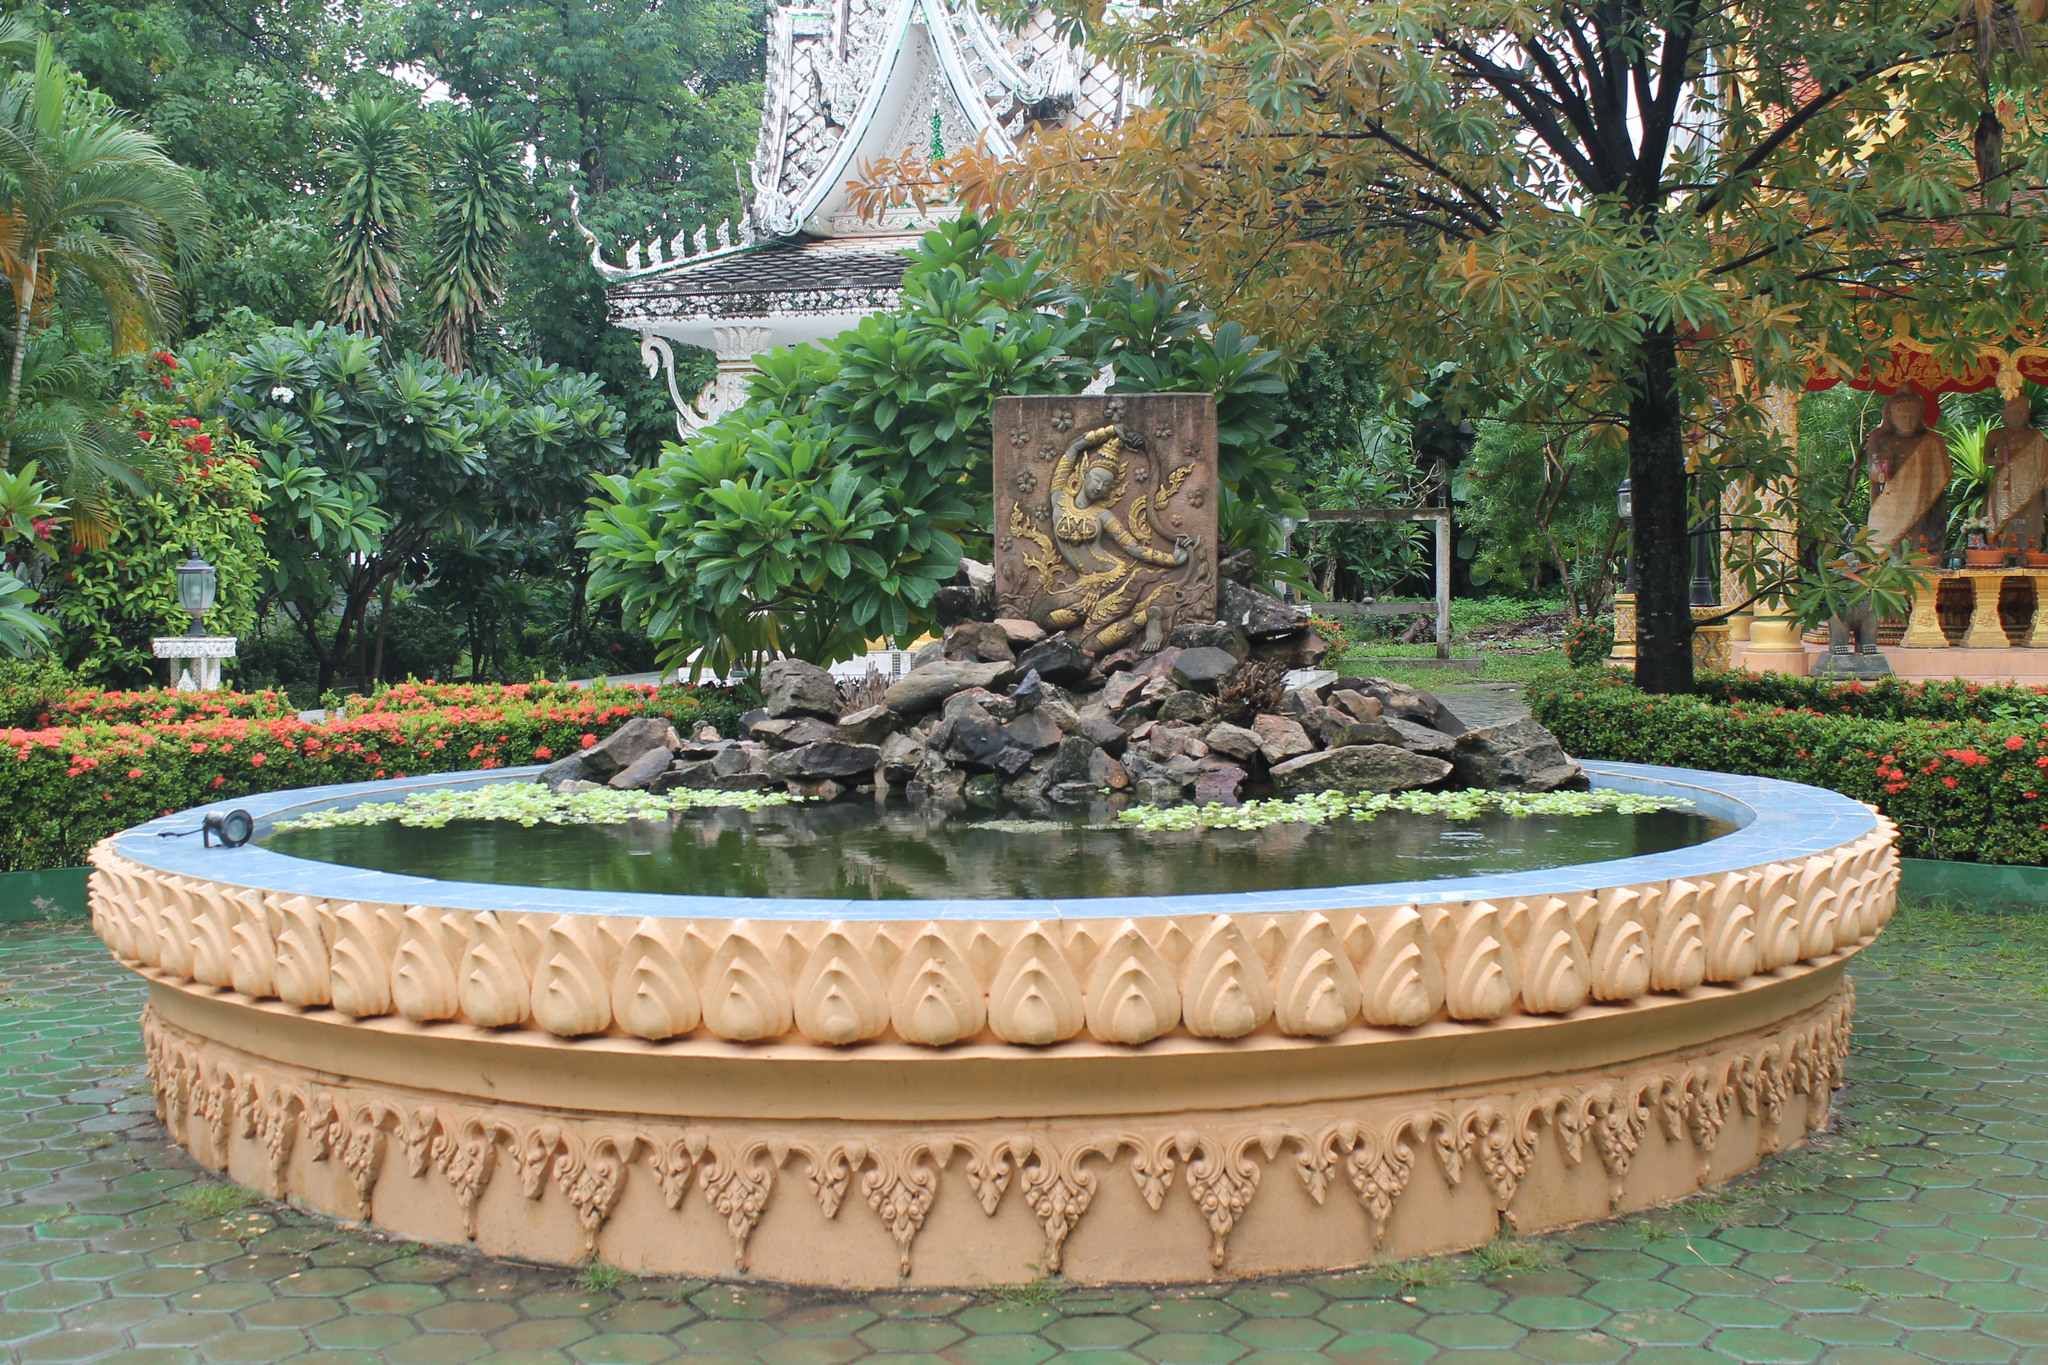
(2015, 742)
(134, 773)
(257, 760)
(165, 359)
(1948, 782)
(543, 752)
(202, 444)
(589, 740)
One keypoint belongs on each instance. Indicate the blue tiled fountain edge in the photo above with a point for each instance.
(1777, 821)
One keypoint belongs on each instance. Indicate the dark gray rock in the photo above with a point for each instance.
(1398, 699)
(1234, 740)
(574, 785)
(1334, 729)
(982, 642)
(768, 729)
(808, 730)
(928, 654)
(1519, 755)
(1106, 733)
(1056, 659)
(1421, 739)
(1303, 649)
(870, 724)
(1218, 786)
(1359, 768)
(731, 762)
(627, 743)
(976, 739)
(753, 717)
(1029, 691)
(1237, 568)
(1213, 635)
(1260, 617)
(1071, 793)
(813, 762)
(570, 769)
(1280, 738)
(1157, 791)
(974, 699)
(899, 758)
(685, 774)
(1035, 730)
(1181, 706)
(930, 684)
(641, 772)
(1203, 669)
(1070, 760)
(740, 782)
(1012, 761)
(791, 687)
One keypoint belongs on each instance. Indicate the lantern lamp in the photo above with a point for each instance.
(198, 584)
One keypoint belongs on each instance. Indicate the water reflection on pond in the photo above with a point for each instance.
(863, 851)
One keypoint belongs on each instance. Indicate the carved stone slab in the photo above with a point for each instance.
(1105, 514)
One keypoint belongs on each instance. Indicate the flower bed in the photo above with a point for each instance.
(1963, 778)
(67, 786)
(162, 706)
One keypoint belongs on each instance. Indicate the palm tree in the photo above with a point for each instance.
(372, 173)
(475, 216)
(86, 200)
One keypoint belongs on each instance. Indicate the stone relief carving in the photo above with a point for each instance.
(206, 1099)
(1033, 983)
(1116, 543)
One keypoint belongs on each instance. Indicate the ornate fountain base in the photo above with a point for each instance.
(974, 1093)
(977, 1166)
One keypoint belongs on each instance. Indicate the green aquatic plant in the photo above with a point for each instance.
(530, 803)
(1320, 808)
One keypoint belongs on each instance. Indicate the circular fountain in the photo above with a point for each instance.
(982, 1091)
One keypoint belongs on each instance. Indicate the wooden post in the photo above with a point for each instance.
(1442, 517)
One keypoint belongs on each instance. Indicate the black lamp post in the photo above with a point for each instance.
(198, 585)
(1625, 508)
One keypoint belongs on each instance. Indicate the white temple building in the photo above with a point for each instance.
(849, 82)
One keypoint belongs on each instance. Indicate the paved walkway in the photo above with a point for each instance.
(1919, 1232)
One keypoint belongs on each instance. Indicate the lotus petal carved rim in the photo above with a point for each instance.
(1820, 880)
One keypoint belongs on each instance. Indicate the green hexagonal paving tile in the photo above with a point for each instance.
(1922, 1234)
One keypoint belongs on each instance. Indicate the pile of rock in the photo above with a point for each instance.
(1000, 709)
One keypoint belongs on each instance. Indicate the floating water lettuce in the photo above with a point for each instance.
(1320, 808)
(529, 803)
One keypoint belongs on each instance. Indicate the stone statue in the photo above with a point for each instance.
(1106, 528)
(1909, 472)
(1852, 637)
(2019, 454)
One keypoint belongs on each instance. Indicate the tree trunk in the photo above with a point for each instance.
(1663, 548)
(24, 305)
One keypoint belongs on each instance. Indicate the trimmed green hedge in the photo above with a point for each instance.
(66, 787)
(1961, 786)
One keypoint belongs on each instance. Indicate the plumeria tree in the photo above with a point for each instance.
(1628, 221)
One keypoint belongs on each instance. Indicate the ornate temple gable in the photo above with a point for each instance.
(848, 81)
(870, 78)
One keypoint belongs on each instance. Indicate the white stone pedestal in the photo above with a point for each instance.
(199, 670)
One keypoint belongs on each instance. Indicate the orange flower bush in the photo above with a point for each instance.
(1961, 767)
(69, 785)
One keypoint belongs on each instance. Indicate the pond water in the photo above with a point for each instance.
(862, 851)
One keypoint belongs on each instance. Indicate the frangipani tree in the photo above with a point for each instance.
(1632, 219)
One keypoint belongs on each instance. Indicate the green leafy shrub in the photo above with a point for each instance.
(829, 508)
(29, 688)
(1965, 788)
(1588, 640)
(205, 493)
(67, 787)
